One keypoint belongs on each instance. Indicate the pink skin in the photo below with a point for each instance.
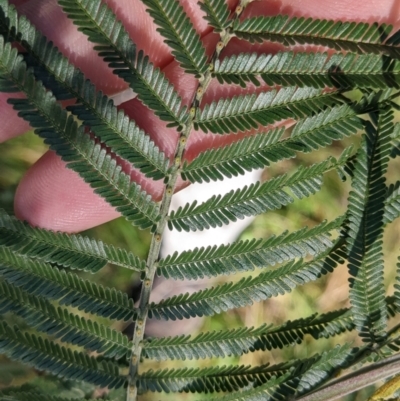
(54, 197)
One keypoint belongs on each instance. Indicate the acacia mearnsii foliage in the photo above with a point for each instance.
(285, 105)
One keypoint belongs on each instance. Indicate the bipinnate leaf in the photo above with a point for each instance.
(319, 97)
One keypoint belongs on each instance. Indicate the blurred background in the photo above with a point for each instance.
(328, 293)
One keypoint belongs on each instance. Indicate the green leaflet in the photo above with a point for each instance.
(72, 251)
(47, 355)
(366, 215)
(247, 290)
(263, 149)
(75, 147)
(351, 36)
(42, 279)
(100, 24)
(95, 109)
(217, 14)
(317, 70)
(243, 256)
(179, 33)
(253, 199)
(242, 113)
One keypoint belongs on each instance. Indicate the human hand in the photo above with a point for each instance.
(54, 197)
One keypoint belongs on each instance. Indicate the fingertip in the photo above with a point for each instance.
(53, 197)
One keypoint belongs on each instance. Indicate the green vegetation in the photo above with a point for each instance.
(304, 297)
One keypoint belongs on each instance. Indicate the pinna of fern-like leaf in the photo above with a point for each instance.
(262, 149)
(318, 70)
(241, 256)
(180, 35)
(360, 37)
(245, 112)
(61, 324)
(306, 372)
(249, 289)
(96, 20)
(209, 380)
(71, 250)
(93, 108)
(236, 342)
(366, 215)
(82, 154)
(46, 355)
(253, 199)
(217, 14)
(42, 279)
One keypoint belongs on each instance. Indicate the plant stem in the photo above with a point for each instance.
(155, 246)
(356, 380)
(157, 237)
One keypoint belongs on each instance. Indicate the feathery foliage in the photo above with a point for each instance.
(317, 70)
(245, 291)
(246, 255)
(95, 110)
(263, 149)
(288, 105)
(42, 279)
(112, 41)
(366, 211)
(180, 35)
(241, 113)
(358, 38)
(253, 199)
(72, 251)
